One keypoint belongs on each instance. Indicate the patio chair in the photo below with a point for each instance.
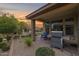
(44, 35)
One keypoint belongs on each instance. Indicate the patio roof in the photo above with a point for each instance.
(52, 11)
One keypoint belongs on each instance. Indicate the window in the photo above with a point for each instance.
(57, 28)
(69, 30)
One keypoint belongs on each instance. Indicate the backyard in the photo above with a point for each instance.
(15, 40)
(20, 36)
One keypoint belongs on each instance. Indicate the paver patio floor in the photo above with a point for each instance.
(19, 48)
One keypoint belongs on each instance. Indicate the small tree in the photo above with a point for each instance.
(8, 24)
(23, 26)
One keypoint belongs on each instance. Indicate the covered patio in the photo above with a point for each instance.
(65, 15)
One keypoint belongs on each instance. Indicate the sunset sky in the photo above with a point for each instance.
(20, 10)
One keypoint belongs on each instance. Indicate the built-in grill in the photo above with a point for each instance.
(56, 39)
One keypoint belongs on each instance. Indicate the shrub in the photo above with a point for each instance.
(1, 39)
(44, 51)
(0, 44)
(8, 38)
(28, 41)
(4, 46)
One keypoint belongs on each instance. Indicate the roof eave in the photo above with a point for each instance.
(45, 9)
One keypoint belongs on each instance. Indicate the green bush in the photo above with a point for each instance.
(4, 46)
(1, 39)
(0, 44)
(44, 51)
(28, 41)
(8, 38)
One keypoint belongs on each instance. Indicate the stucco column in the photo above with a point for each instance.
(75, 27)
(33, 30)
(44, 27)
(50, 26)
(77, 35)
(76, 21)
(64, 26)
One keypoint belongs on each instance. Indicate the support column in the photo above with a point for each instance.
(77, 30)
(33, 30)
(44, 27)
(64, 26)
(77, 34)
(50, 25)
(75, 27)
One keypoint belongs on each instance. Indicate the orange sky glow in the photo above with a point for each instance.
(20, 15)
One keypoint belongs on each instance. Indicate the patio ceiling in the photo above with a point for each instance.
(59, 12)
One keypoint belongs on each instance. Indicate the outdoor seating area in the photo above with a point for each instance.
(19, 48)
(58, 17)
